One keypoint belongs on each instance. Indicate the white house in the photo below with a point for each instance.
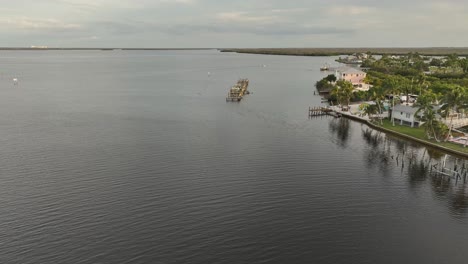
(405, 115)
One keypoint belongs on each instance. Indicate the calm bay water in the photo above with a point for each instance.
(135, 157)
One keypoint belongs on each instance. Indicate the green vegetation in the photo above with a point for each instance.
(420, 133)
(342, 91)
(417, 132)
(326, 84)
(369, 110)
(436, 51)
(441, 95)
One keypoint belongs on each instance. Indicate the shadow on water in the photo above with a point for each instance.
(418, 172)
(459, 201)
(435, 154)
(340, 127)
(379, 152)
(424, 167)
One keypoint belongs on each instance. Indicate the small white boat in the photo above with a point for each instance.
(324, 68)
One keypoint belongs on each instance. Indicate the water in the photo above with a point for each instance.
(135, 157)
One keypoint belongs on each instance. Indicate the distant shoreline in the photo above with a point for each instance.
(434, 51)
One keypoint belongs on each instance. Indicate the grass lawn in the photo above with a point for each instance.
(419, 133)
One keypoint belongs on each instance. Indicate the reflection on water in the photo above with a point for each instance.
(417, 172)
(340, 128)
(464, 129)
(421, 166)
(459, 201)
(143, 161)
(435, 154)
(379, 154)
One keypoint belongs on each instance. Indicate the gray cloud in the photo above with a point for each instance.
(113, 27)
(213, 23)
(270, 29)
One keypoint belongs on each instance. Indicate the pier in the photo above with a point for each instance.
(237, 92)
(320, 111)
(456, 123)
(458, 172)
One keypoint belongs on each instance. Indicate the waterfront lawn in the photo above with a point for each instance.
(419, 133)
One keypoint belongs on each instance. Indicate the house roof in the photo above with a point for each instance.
(405, 108)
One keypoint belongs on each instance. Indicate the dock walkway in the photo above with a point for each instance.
(456, 122)
(319, 111)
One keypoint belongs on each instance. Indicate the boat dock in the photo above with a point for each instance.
(237, 91)
(320, 111)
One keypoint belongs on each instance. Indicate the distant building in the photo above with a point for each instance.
(353, 75)
(353, 59)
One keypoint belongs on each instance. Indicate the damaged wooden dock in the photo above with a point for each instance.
(320, 111)
(237, 92)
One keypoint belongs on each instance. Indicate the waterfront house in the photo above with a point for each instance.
(406, 115)
(353, 75)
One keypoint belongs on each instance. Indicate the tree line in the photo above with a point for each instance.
(440, 83)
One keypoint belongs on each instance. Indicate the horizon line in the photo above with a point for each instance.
(207, 48)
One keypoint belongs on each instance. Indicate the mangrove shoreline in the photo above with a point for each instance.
(427, 51)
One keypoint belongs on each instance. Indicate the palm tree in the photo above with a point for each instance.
(422, 82)
(343, 92)
(427, 113)
(369, 110)
(377, 94)
(346, 89)
(336, 92)
(454, 99)
(409, 89)
(427, 98)
(391, 85)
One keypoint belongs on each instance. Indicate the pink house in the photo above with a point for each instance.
(353, 75)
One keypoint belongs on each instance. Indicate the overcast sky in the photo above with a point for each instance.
(231, 23)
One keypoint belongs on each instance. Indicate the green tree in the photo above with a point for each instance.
(331, 78)
(336, 93)
(427, 113)
(436, 62)
(452, 61)
(369, 110)
(421, 82)
(391, 85)
(377, 94)
(346, 90)
(427, 98)
(324, 85)
(343, 92)
(464, 64)
(453, 100)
